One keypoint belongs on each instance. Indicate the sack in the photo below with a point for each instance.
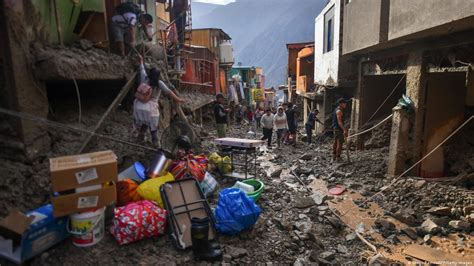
(208, 185)
(127, 192)
(143, 93)
(150, 189)
(128, 7)
(235, 211)
(137, 221)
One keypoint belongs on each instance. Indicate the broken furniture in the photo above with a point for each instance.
(184, 200)
(237, 148)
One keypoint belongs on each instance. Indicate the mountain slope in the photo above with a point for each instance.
(261, 29)
(200, 9)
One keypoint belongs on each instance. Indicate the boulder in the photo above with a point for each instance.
(441, 211)
(460, 225)
(430, 227)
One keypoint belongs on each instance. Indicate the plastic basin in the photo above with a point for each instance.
(259, 187)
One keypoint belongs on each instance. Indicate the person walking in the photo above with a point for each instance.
(339, 131)
(220, 114)
(280, 124)
(310, 123)
(267, 127)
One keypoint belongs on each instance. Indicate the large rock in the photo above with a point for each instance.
(406, 216)
(318, 198)
(442, 211)
(304, 202)
(460, 225)
(327, 256)
(430, 227)
(385, 224)
(410, 232)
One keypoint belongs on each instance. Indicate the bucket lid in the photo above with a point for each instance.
(337, 190)
(140, 170)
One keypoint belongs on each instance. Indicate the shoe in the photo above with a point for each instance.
(202, 248)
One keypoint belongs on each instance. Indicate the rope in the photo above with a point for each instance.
(385, 101)
(78, 99)
(424, 157)
(71, 128)
(415, 164)
(372, 128)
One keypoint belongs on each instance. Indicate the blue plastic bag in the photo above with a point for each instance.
(235, 211)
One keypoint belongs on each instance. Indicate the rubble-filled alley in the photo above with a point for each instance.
(129, 136)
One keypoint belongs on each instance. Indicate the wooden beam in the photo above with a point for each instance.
(123, 92)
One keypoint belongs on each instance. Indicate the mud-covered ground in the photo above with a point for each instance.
(296, 224)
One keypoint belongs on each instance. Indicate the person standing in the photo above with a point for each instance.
(258, 116)
(220, 114)
(179, 16)
(267, 127)
(124, 26)
(310, 123)
(339, 131)
(280, 124)
(291, 117)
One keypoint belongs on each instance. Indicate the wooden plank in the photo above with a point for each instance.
(432, 255)
(123, 92)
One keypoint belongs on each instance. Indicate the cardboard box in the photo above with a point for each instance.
(82, 202)
(70, 172)
(24, 236)
(83, 182)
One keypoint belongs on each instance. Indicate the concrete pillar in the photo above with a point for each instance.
(21, 91)
(416, 90)
(356, 105)
(305, 109)
(399, 144)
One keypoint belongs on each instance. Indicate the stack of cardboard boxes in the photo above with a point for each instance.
(80, 183)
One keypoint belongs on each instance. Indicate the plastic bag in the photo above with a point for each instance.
(127, 192)
(136, 221)
(150, 189)
(208, 185)
(225, 167)
(235, 211)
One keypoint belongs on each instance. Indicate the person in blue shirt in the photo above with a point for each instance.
(310, 123)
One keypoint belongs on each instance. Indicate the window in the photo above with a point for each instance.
(329, 30)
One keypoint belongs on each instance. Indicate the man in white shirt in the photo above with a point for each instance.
(124, 28)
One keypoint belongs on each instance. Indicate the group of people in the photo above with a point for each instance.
(284, 123)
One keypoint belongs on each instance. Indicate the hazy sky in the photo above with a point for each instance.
(220, 2)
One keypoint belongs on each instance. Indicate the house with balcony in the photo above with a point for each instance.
(219, 43)
(423, 49)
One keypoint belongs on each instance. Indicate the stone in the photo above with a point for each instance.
(351, 237)
(460, 225)
(393, 239)
(327, 256)
(342, 249)
(236, 252)
(323, 208)
(378, 260)
(318, 198)
(427, 239)
(384, 224)
(430, 227)
(440, 211)
(410, 232)
(304, 202)
(303, 226)
(306, 157)
(406, 216)
(314, 255)
(420, 184)
(276, 173)
(227, 258)
(470, 218)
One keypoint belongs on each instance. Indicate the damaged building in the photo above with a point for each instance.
(334, 73)
(422, 51)
(59, 54)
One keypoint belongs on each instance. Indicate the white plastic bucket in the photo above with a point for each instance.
(87, 228)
